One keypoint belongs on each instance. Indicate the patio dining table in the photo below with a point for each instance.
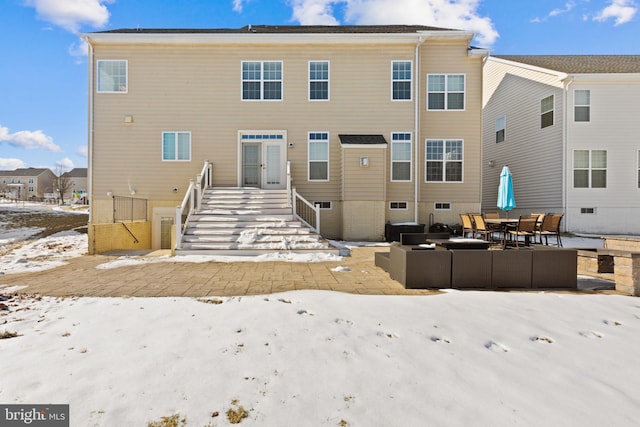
(503, 225)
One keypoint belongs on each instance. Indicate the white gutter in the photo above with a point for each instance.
(416, 131)
(90, 136)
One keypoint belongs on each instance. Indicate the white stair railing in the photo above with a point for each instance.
(192, 200)
(306, 212)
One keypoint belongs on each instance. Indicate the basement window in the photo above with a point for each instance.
(398, 205)
(323, 205)
(442, 206)
(587, 210)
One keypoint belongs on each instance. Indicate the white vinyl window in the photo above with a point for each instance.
(318, 80)
(546, 112)
(445, 91)
(501, 127)
(262, 80)
(403, 206)
(401, 80)
(582, 105)
(443, 160)
(112, 76)
(176, 146)
(590, 169)
(318, 156)
(401, 156)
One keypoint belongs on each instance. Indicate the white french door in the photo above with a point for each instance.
(264, 163)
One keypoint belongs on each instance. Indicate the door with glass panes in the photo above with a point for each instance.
(264, 163)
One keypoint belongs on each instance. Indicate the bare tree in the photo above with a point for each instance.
(62, 183)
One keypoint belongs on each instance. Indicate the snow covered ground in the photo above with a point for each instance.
(319, 358)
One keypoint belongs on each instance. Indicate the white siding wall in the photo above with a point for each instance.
(615, 127)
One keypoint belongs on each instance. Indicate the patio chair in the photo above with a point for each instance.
(526, 227)
(467, 225)
(480, 227)
(551, 227)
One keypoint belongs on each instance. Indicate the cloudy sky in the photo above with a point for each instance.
(43, 72)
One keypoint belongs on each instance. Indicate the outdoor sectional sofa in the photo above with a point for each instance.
(535, 267)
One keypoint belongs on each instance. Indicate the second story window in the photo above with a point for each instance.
(318, 80)
(501, 126)
(445, 92)
(546, 112)
(176, 146)
(582, 105)
(112, 76)
(262, 80)
(401, 80)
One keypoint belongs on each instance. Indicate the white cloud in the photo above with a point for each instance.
(65, 164)
(455, 14)
(567, 8)
(11, 164)
(28, 139)
(314, 12)
(83, 151)
(622, 11)
(71, 14)
(78, 50)
(237, 5)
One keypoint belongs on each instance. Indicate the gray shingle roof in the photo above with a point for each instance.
(362, 139)
(24, 172)
(580, 64)
(76, 173)
(286, 29)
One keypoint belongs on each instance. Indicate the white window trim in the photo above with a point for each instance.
(575, 104)
(436, 208)
(503, 128)
(176, 132)
(324, 201)
(410, 81)
(328, 140)
(410, 161)
(444, 161)
(126, 62)
(589, 170)
(553, 110)
(328, 80)
(446, 106)
(262, 80)
(406, 206)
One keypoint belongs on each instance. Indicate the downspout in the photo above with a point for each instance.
(416, 131)
(565, 154)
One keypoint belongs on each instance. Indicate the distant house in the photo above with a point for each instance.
(378, 123)
(568, 128)
(27, 184)
(76, 185)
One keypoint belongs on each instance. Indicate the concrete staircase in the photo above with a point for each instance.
(248, 221)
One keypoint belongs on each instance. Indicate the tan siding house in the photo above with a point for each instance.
(586, 162)
(27, 184)
(217, 95)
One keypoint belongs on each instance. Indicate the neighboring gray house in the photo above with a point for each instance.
(26, 183)
(568, 127)
(77, 185)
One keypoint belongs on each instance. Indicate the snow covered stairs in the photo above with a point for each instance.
(248, 221)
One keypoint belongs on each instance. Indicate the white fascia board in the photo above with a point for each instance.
(262, 38)
(613, 77)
